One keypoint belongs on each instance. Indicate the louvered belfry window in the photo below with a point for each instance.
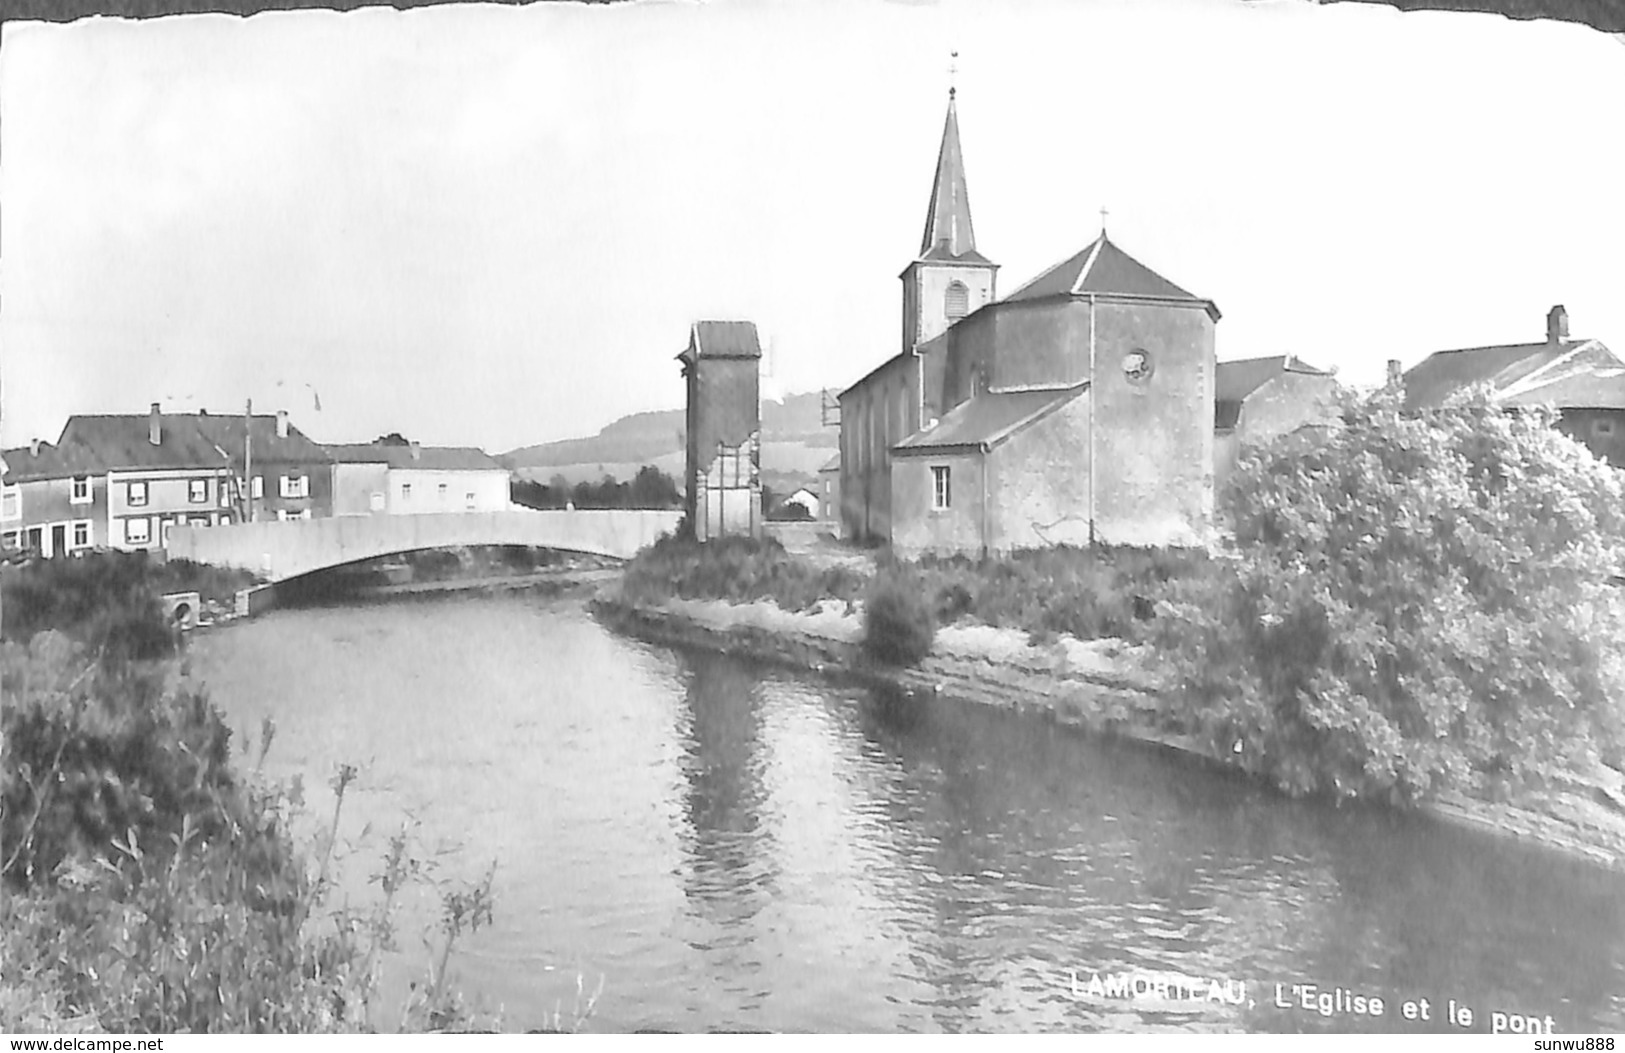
(958, 301)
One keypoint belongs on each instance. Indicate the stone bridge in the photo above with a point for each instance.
(281, 550)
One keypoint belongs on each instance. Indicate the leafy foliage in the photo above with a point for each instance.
(1086, 593)
(1419, 604)
(149, 885)
(736, 569)
(650, 488)
(898, 623)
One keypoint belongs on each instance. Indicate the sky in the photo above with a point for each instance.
(493, 226)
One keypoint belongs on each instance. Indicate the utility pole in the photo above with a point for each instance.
(248, 460)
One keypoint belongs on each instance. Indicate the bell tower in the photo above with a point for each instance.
(949, 279)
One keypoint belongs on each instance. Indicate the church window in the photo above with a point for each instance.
(941, 487)
(957, 302)
(1602, 426)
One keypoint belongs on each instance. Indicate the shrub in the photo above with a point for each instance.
(898, 623)
(736, 569)
(1419, 604)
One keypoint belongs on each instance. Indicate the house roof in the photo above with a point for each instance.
(293, 448)
(948, 231)
(114, 442)
(52, 462)
(1597, 389)
(989, 418)
(428, 458)
(1233, 381)
(832, 465)
(1433, 380)
(722, 340)
(1104, 269)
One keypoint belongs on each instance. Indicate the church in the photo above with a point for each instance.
(1079, 409)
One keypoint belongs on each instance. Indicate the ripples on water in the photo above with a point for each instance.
(733, 848)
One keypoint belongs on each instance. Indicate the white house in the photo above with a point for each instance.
(373, 479)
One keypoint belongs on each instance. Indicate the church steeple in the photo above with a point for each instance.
(949, 279)
(948, 230)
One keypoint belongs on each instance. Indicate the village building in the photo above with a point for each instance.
(160, 470)
(1079, 409)
(1581, 378)
(1257, 399)
(722, 426)
(393, 479)
(829, 490)
(288, 476)
(53, 501)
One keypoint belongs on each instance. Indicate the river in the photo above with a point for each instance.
(729, 847)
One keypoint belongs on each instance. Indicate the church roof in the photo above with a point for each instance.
(988, 419)
(1105, 269)
(948, 231)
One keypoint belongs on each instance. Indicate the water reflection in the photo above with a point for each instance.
(734, 848)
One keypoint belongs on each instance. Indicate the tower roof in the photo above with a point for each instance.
(948, 232)
(1103, 268)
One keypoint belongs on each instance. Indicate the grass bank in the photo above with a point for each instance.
(152, 879)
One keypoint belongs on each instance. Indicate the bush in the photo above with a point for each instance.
(898, 623)
(1087, 593)
(105, 600)
(1419, 605)
(736, 569)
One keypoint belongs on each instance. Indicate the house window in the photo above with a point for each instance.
(136, 495)
(1602, 427)
(406, 491)
(295, 486)
(257, 487)
(197, 491)
(468, 500)
(81, 533)
(12, 539)
(941, 487)
(956, 304)
(11, 503)
(137, 531)
(80, 494)
(442, 491)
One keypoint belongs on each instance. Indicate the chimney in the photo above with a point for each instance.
(155, 427)
(1396, 375)
(1557, 325)
(33, 447)
(282, 424)
(417, 451)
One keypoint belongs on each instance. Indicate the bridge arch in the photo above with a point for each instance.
(278, 551)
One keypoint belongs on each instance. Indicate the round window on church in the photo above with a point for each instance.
(1137, 366)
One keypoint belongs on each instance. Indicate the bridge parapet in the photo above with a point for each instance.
(282, 550)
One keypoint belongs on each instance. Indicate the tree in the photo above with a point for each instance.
(394, 438)
(1419, 604)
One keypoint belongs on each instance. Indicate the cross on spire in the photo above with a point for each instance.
(1103, 215)
(953, 68)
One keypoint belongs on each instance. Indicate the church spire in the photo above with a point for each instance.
(948, 233)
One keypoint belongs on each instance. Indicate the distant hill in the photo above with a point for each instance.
(794, 440)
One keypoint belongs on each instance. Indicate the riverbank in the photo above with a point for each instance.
(1105, 687)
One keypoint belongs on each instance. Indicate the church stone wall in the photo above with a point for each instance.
(1040, 482)
(918, 528)
(1042, 342)
(878, 413)
(925, 297)
(1153, 452)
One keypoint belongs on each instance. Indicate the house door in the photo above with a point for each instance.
(36, 540)
(59, 540)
